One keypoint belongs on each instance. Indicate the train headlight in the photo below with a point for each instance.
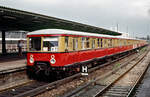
(52, 60)
(31, 59)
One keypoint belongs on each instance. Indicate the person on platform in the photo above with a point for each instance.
(20, 47)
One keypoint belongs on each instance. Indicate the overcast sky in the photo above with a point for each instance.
(134, 14)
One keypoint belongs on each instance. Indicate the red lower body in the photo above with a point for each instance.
(68, 58)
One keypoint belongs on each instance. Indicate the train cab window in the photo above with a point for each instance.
(50, 44)
(35, 44)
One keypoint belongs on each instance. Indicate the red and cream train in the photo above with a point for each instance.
(55, 49)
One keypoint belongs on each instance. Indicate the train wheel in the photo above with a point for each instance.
(47, 72)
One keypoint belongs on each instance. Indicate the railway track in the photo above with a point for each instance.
(114, 88)
(108, 86)
(13, 77)
(34, 87)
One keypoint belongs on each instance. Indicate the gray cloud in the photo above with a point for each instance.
(101, 13)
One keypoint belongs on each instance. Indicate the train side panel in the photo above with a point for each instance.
(69, 58)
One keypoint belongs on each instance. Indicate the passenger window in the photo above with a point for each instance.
(75, 44)
(110, 43)
(66, 43)
(83, 43)
(93, 43)
(98, 42)
(101, 43)
(115, 43)
(124, 42)
(105, 43)
(121, 42)
(76, 47)
(88, 42)
(118, 42)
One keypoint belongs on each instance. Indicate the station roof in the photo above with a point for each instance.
(14, 19)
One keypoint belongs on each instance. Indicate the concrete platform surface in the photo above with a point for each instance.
(11, 58)
(12, 65)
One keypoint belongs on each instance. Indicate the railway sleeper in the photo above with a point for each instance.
(114, 95)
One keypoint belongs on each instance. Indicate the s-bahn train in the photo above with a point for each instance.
(56, 49)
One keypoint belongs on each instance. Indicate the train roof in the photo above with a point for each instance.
(69, 32)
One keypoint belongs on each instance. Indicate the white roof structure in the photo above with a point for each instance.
(13, 39)
(69, 32)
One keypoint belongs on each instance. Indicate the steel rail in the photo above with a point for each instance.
(8, 71)
(137, 82)
(11, 73)
(109, 85)
(93, 81)
(55, 84)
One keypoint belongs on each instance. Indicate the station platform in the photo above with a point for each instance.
(12, 63)
(11, 57)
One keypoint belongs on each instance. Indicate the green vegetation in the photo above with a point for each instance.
(143, 49)
(116, 66)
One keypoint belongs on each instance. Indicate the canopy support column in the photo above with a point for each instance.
(3, 42)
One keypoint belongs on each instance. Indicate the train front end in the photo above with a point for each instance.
(42, 52)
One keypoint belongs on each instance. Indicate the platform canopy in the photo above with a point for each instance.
(13, 19)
